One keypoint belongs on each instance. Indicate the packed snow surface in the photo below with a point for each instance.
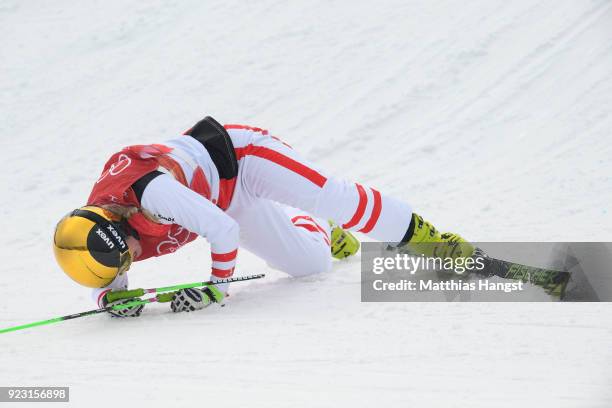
(492, 118)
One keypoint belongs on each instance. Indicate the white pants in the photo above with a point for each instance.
(282, 204)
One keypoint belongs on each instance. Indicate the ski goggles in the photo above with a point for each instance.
(125, 261)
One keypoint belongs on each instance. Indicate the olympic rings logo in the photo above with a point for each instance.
(122, 163)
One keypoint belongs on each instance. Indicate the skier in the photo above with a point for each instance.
(231, 184)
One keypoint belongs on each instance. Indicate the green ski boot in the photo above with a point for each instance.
(423, 239)
(343, 243)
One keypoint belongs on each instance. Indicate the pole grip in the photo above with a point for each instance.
(165, 297)
(124, 294)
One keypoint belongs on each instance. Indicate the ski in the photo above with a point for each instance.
(554, 282)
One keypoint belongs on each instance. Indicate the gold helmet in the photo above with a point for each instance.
(91, 247)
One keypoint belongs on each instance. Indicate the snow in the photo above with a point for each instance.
(492, 118)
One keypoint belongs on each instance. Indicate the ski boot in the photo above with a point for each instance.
(343, 243)
(423, 239)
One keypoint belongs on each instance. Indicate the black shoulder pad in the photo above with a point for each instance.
(217, 141)
(139, 185)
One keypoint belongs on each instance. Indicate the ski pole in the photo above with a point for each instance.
(159, 298)
(126, 294)
(77, 315)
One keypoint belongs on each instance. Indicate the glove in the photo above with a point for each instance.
(133, 311)
(191, 299)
